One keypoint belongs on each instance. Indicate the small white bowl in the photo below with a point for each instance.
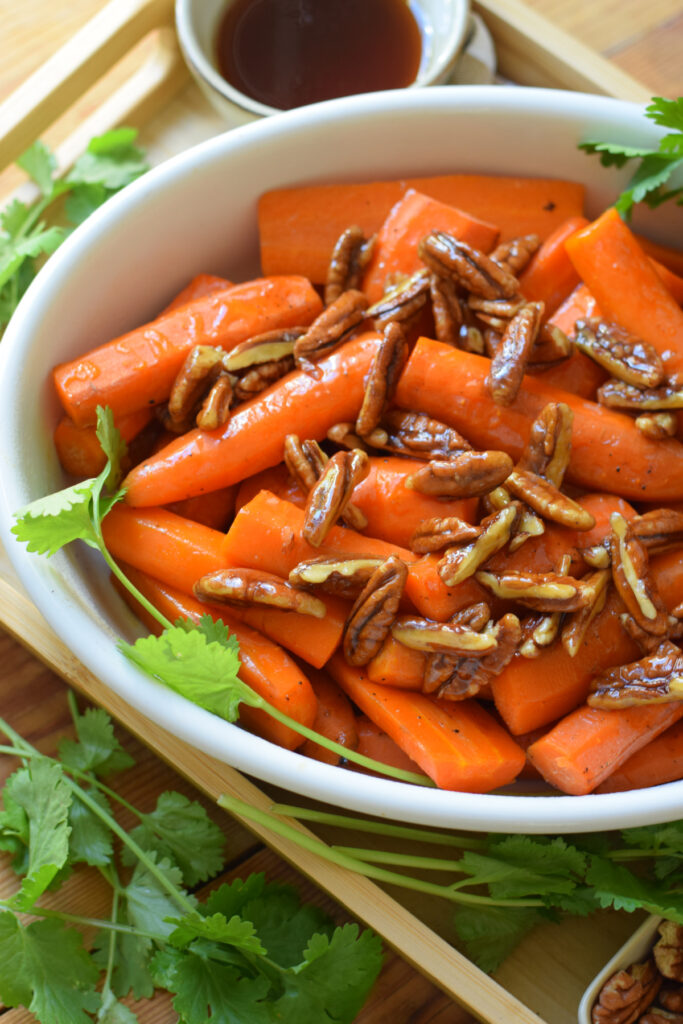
(634, 951)
(444, 26)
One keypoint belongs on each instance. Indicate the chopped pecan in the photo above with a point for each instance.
(630, 572)
(594, 587)
(476, 272)
(469, 675)
(328, 330)
(543, 592)
(550, 442)
(668, 950)
(449, 637)
(618, 395)
(626, 357)
(269, 347)
(331, 494)
(551, 346)
(386, 368)
(510, 359)
(461, 562)
(343, 435)
(371, 617)
(548, 501)
(342, 577)
(657, 425)
(350, 256)
(244, 587)
(435, 534)
(200, 371)
(401, 302)
(446, 309)
(413, 433)
(439, 666)
(626, 995)
(515, 254)
(467, 475)
(655, 679)
(659, 530)
(262, 376)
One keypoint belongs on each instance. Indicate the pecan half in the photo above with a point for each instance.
(657, 425)
(655, 679)
(540, 631)
(449, 637)
(386, 368)
(370, 619)
(471, 339)
(630, 572)
(476, 272)
(467, 475)
(497, 313)
(414, 433)
(261, 377)
(436, 534)
(515, 254)
(329, 329)
(597, 556)
(199, 372)
(342, 577)
(617, 395)
(269, 347)
(668, 950)
(215, 409)
(626, 357)
(459, 563)
(350, 256)
(245, 587)
(550, 443)
(343, 435)
(594, 588)
(440, 666)
(446, 309)
(659, 530)
(306, 462)
(469, 675)
(626, 995)
(551, 346)
(543, 592)
(527, 525)
(331, 494)
(510, 359)
(656, 1015)
(401, 302)
(548, 501)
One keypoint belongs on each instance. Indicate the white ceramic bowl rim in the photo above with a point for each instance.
(42, 579)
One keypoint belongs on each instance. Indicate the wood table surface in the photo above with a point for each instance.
(644, 39)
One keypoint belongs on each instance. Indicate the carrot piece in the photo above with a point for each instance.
(673, 282)
(413, 217)
(263, 665)
(199, 286)
(334, 719)
(253, 438)
(628, 289)
(275, 479)
(609, 453)
(659, 761)
(396, 665)
(79, 450)
(550, 275)
(589, 744)
(178, 552)
(137, 369)
(374, 743)
(214, 509)
(578, 374)
(671, 258)
(460, 746)
(299, 226)
(579, 305)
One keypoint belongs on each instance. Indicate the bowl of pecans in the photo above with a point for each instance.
(416, 500)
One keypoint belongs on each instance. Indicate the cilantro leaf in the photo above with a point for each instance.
(130, 972)
(90, 841)
(40, 165)
(207, 991)
(667, 113)
(97, 748)
(111, 160)
(216, 928)
(113, 1012)
(283, 924)
(489, 934)
(616, 886)
(14, 832)
(520, 866)
(42, 243)
(149, 906)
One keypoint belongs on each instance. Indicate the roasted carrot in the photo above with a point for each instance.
(589, 744)
(396, 665)
(79, 450)
(374, 743)
(178, 552)
(673, 282)
(263, 665)
(414, 216)
(628, 289)
(659, 761)
(460, 746)
(299, 226)
(550, 275)
(609, 453)
(214, 509)
(253, 439)
(137, 370)
(277, 480)
(579, 305)
(199, 286)
(334, 719)
(578, 374)
(670, 257)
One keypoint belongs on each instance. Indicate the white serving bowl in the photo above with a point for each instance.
(198, 213)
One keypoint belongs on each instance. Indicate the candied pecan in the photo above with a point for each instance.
(626, 357)
(527, 524)
(386, 368)
(439, 666)
(549, 446)
(630, 572)
(655, 679)
(548, 500)
(262, 376)
(215, 409)
(413, 433)
(471, 340)
(343, 435)
(476, 272)
(330, 496)
(306, 461)
(449, 637)
(199, 372)
(470, 674)
(594, 588)
(329, 329)
(458, 563)
(671, 998)
(626, 995)
(244, 587)
(657, 1015)
(618, 395)
(596, 556)
(551, 346)
(659, 530)
(342, 577)
(467, 475)
(370, 619)
(646, 641)
(542, 592)
(401, 302)
(515, 254)
(497, 313)
(657, 425)
(435, 534)
(668, 950)
(509, 361)
(539, 631)
(446, 309)
(269, 347)
(350, 256)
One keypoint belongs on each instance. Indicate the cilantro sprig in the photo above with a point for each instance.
(656, 166)
(27, 235)
(247, 951)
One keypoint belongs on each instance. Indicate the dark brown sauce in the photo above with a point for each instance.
(286, 53)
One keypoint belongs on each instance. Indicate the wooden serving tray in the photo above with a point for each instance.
(150, 88)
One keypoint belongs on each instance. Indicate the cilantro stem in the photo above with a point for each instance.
(111, 945)
(403, 860)
(88, 922)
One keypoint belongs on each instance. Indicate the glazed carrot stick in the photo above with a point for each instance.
(673, 282)
(214, 509)
(178, 552)
(334, 719)
(550, 275)
(413, 217)
(253, 439)
(671, 258)
(299, 226)
(137, 369)
(275, 479)
(578, 374)
(609, 453)
(374, 743)
(579, 305)
(79, 450)
(397, 665)
(659, 761)
(263, 665)
(589, 744)
(199, 286)
(460, 746)
(614, 266)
